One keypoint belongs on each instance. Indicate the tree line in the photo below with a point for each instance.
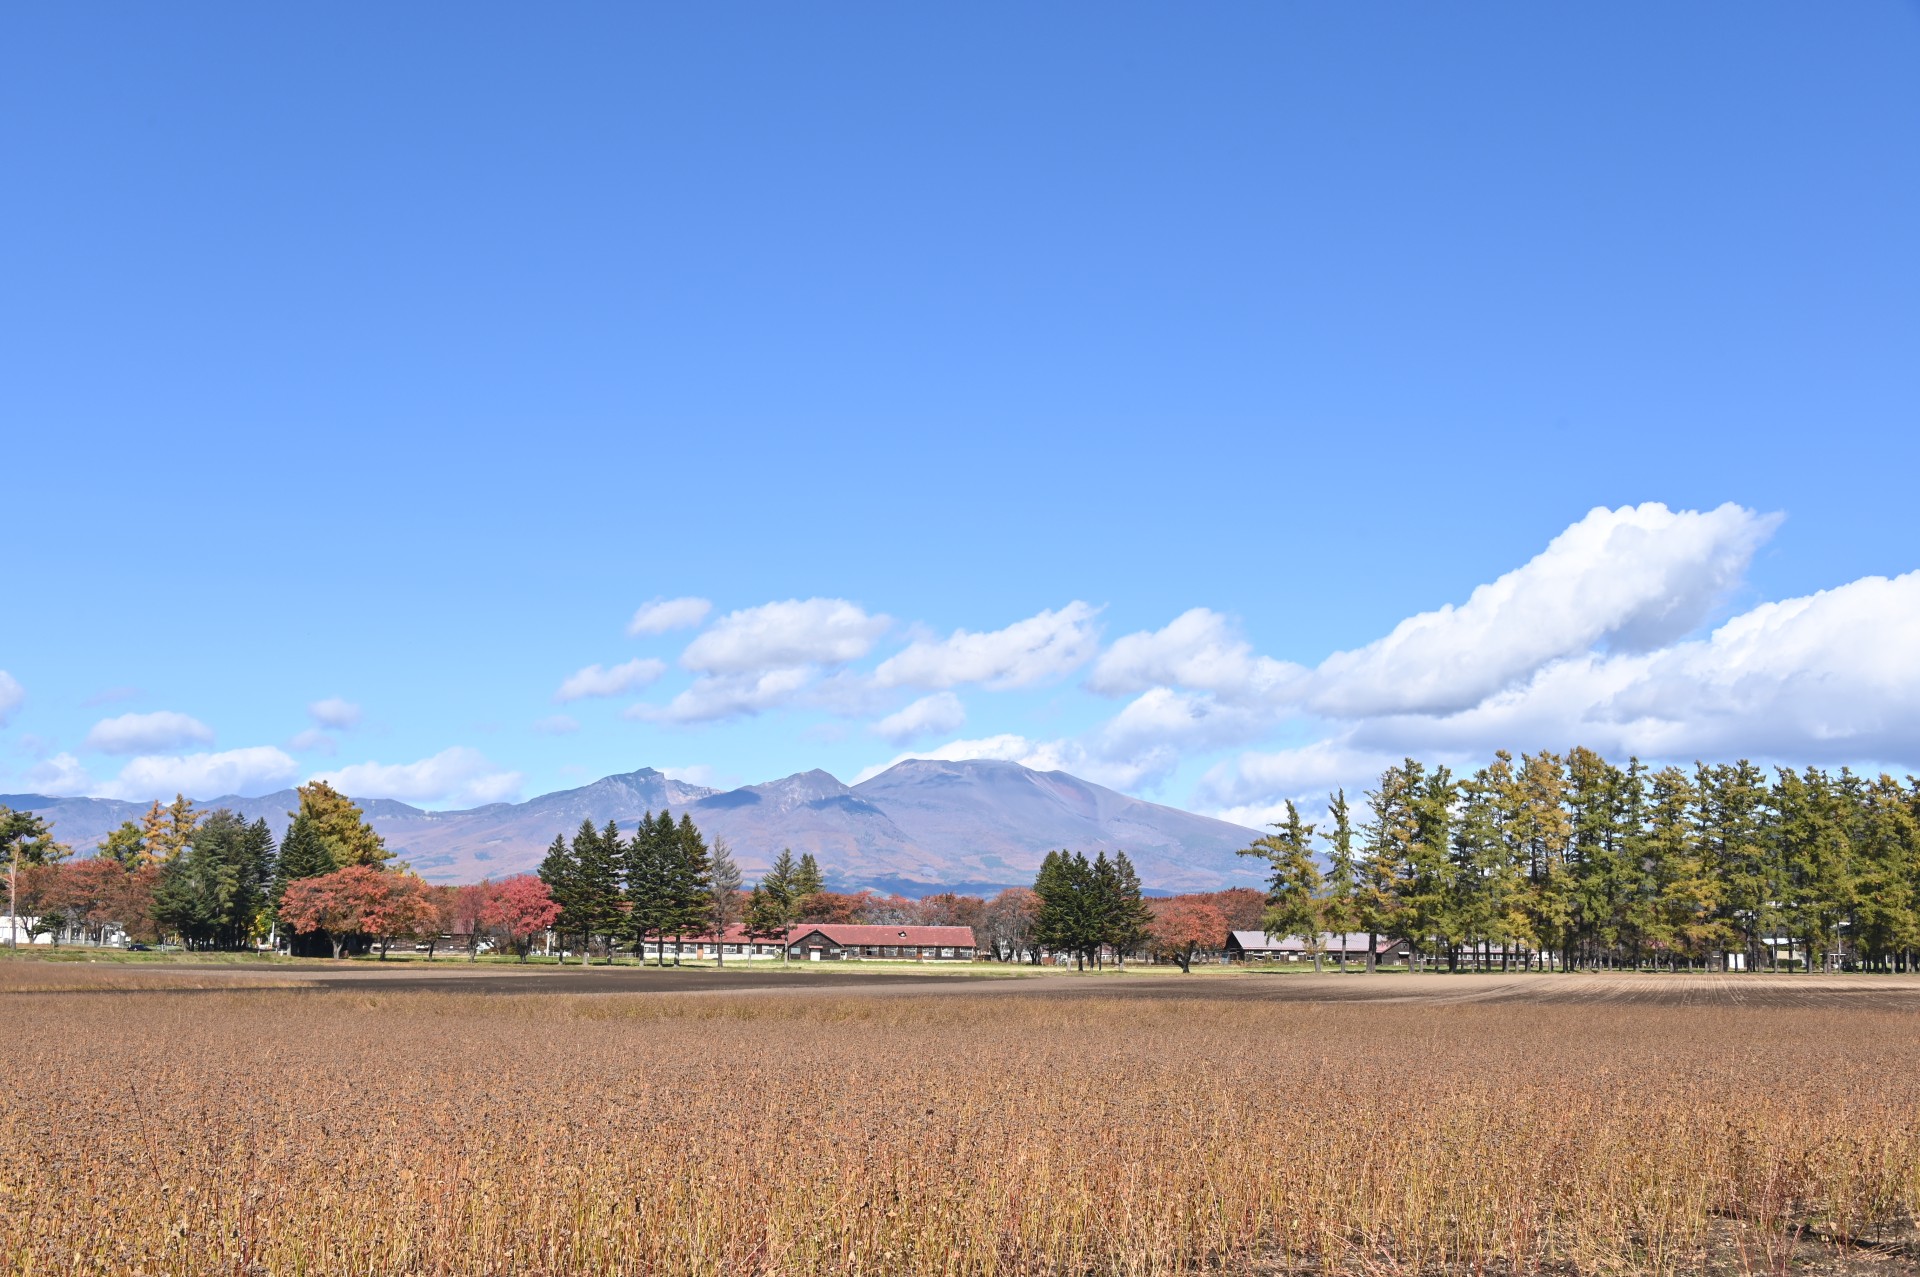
(1571, 861)
(213, 880)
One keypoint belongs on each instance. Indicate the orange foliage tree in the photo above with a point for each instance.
(1182, 926)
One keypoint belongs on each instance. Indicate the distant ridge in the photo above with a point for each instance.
(918, 826)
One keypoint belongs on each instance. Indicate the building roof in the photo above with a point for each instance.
(842, 934)
(1329, 942)
(845, 934)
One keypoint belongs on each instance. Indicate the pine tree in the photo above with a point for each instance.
(213, 892)
(125, 846)
(806, 878)
(166, 831)
(1293, 883)
(1388, 833)
(690, 882)
(777, 901)
(561, 874)
(647, 872)
(596, 886)
(341, 826)
(723, 897)
(1340, 908)
(1128, 916)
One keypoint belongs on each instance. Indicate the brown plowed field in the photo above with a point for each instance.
(455, 1120)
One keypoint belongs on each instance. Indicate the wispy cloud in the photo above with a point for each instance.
(661, 615)
(341, 715)
(933, 715)
(596, 680)
(12, 697)
(1044, 647)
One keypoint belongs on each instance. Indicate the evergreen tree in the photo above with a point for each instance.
(1293, 881)
(559, 870)
(1340, 908)
(597, 857)
(806, 878)
(1388, 833)
(648, 871)
(341, 826)
(1070, 918)
(1128, 916)
(125, 846)
(723, 897)
(776, 901)
(690, 882)
(213, 893)
(302, 855)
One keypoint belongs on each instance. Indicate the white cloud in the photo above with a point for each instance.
(726, 696)
(1199, 649)
(661, 615)
(1636, 578)
(1258, 783)
(143, 733)
(693, 774)
(1829, 677)
(928, 716)
(312, 741)
(596, 681)
(779, 636)
(62, 775)
(12, 696)
(256, 769)
(335, 712)
(459, 777)
(557, 725)
(1047, 646)
(1041, 755)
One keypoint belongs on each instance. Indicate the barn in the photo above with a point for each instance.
(1258, 946)
(818, 942)
(821, 941)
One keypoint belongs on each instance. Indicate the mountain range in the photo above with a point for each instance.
(919, 826)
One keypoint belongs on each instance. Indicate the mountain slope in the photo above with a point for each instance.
(918, 826)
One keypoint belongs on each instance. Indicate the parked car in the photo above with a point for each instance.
(139, 948)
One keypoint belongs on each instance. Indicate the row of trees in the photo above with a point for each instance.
(664, 883)
(213, 880)
(1573, 861)
(1090, 907)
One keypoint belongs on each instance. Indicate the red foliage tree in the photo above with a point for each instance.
(400, 907)
(1183, 925)
(132, 904)
(446, 902)
(467, 920)
(836, 907)
(335, 903)
(88, 893)
(945, 909)
(521, 908)
(1245, 908)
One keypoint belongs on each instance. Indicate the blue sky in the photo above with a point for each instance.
(391, 361)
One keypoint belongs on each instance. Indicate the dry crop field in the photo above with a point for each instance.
(1431, 1127)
